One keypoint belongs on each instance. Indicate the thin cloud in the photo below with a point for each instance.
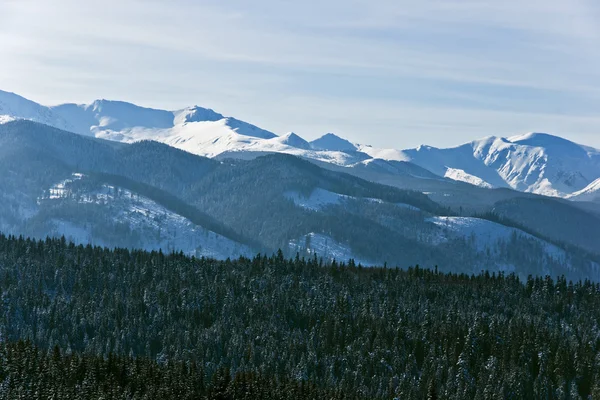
(286, 65)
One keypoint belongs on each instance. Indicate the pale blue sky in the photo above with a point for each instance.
(391, 73)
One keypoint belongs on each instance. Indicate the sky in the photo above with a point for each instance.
(391, 73)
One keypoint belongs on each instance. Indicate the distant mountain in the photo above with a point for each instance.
(13, 106)
(293, 140)
(331, 142)
(151, 195)
(534, 163)
(590, 193)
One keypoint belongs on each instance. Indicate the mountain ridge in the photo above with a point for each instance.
(534, 162)
(151, 195)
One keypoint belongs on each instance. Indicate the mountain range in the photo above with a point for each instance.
(534, 163)
(115, 174)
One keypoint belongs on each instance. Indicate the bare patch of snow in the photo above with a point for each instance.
(460, 175)
(486, 233)
(6, 118)
(321, 198)
(318, 199)
(162, 228)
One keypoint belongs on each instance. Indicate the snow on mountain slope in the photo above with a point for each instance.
(112, 116)
(293, 140)
(395, 168)
(161, 228)
(195, 129)
(332, 142)
(460, 175)
(319, 199)
(211, 139)
(60, 190)
(125, 122)
(552, 144)
(486, 238)
(486, 234)
(461, 158)
(534, 162)
(384, 154)
(205, 138)
(590, 193)
(195, 114)
(13, 106)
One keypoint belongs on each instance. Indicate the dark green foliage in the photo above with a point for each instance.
(30, 373)
(336, 328)
(592, 254)
(554, 218)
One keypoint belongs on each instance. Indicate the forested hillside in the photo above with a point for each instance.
(190, 325)
(151, 196)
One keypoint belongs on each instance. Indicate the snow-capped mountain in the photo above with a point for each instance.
(331, 142)
(535, 162)
(590, 193)
(13, 106)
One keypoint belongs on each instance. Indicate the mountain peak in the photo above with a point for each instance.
(551, 143)
(537, 138)
(5, 94)
(196, 114)
(13, 106)
(291, 139)
(540, 139)
(332, 142)
(291, 135)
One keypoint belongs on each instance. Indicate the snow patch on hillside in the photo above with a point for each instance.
(321, 198)
(408, 206)
(59, 190)
(318, 199)
(485, 234)
(6, 118)
(460, 175)
(159, 227)
(384, 154)
(589, 193)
